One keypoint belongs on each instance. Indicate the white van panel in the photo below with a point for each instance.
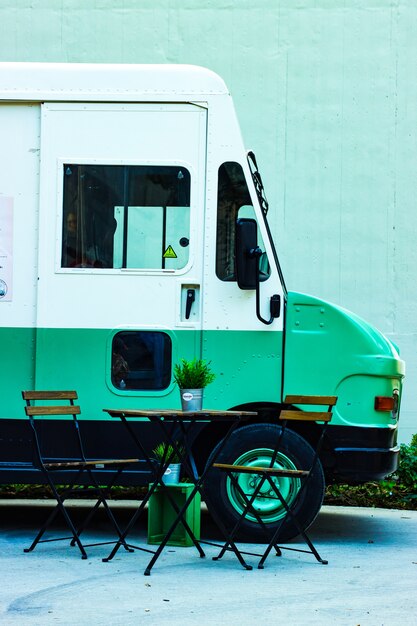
(19, 187)
(131, 134)
(124, 82)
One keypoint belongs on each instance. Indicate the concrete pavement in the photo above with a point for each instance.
(371, 578)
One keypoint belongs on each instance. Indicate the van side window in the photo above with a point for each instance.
(118, 216)
(141, 360)
(233, 202)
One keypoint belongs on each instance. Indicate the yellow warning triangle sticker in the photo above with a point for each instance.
(170, 253)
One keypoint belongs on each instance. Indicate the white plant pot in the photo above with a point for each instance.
(172, 474)
(191, 399)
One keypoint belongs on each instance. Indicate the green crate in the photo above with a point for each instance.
(161, 515)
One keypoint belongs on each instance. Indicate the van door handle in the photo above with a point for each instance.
(189, 302)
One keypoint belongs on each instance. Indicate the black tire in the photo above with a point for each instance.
(253, 443)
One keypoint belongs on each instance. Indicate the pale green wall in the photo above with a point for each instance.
(326, 94)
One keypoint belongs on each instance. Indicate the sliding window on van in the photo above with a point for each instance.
(125, 216)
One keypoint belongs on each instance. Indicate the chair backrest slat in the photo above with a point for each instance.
(49, 395)
(43, 404)
(53, 410)
(313, 400)
(306, 416)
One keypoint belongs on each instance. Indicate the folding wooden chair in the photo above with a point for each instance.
(67, 470)
(272, 475)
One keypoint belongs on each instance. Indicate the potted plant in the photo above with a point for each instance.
(165, 452)
(192, 377)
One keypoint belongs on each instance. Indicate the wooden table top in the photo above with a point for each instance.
(174, 413)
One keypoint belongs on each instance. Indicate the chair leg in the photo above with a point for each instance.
(60, 507)
(131, 524)
(289, 514)
(229, 542)
(101, 500)
(81, 527)
(247, 508)
(126, 531)
(74, 532)
(116, 527)
(42, 530)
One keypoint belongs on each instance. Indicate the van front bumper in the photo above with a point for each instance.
(351, 460)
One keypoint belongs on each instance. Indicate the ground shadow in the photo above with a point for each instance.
(331, 523)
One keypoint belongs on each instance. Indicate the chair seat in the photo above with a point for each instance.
(96, 463)
(271, 471)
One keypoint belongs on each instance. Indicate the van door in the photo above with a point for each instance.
(121, 215)
(246, 352)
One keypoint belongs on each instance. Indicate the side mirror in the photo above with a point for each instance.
(246, 243)
(247, 255)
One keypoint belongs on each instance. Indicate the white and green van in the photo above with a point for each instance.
(127, 207)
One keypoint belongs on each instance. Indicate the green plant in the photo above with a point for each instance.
(406, 473)
(195, 374)
(397, 491)
(167, 452)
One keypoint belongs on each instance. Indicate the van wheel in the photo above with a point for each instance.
(253, 445)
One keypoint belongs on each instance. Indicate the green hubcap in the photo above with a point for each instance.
(266, 503)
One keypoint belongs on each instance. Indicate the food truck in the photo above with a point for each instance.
(134, 233)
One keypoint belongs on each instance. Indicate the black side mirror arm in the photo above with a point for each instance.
(275, 302)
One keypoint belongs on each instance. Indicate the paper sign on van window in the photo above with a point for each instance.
(6, 248)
